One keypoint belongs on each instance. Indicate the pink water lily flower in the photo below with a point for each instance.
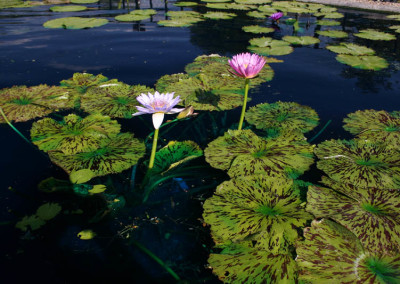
(158, 105)
(247, 65)
(276, 16)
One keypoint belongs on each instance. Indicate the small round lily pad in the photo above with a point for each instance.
(75, 23)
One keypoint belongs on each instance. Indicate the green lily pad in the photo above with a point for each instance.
(84, 1)
(257, 14)
(367, 62)
(68, 8)
(114, 156)
(98, 188)
(257, 29)
(330, 252)
(394, 17)
(243, 264)
(396, 28)
(283, 115)
(327, 23)
(82, 81)
(219, 15)
(73, 134)
(267, 10)
(116, 100)
(21, 103)
(81, 176)
(374, 35)
(351, 49)
(373, 124)
(301, 40)
(269, 46)
(48, 211)
(167, 80)
(185, 4)
(18, 4)
(131, 18)
(86, 235)
(333, 33)
(244, 153)
(369, 213)
(332, 15)
(147, 12)
(181, 19)
(196, 67)
(216, 1)
(253, 2)
(75, 23)
(32, 222)
(360, 162)
(261, 207)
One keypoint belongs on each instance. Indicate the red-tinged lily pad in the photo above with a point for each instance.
(114, 155)
(82, 81)
(371, 214)
(21, 103)
(372, 124)
(288, 116)
(332, 254)
(361, 163)
(265, 209)
(73, 134)
(243, 153)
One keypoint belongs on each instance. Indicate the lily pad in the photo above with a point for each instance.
(114, 156)
(131, 18)
(333, 33)
(369, 213)
(327, 23)
(216, 1)
(243, 153)
(75, 23)
(257, 29)
(32, 222)
(374, 35)
(181, 19)
(373, 124)
(301, 40)
(331, 252)
(253, 2)
(283, 115)
(394, 17)
(21, 103)
(269, 46)
(261, 207)
(219, 15)
(267, 9)
(73, 134)
(367, 62)
(86, 235)
(18, 4)
(360, 162)
(84, 1)
(48, 211)
(82, 81)
(257, 14)
(351, 49)
(98, 188)
(81, 176)
(396, 28)
(333, 15)
(68, 8)
(185, 4)
(116, 100)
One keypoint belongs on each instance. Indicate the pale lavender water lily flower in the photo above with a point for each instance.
(157, 105)
(247, 65)
(276, 16)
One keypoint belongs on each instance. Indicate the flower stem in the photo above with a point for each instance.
(246, 91)
(12, 126)
(153, 149)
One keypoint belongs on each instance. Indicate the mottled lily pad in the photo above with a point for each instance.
(283, 115)
(75, 23)
(73, 134)
(301, 40)
(82, 81)
(219, 15)
(257, 29)
(374, 35)
(360, 162)
(261, 207)
(269, 46)
(114, 156)
(68, 8)
(331, 252)
(21, 103)
(244, 153)
(116, 100)
(369, 213)
(373, 124)
(367, 62)
(351, 49)
(333, 33)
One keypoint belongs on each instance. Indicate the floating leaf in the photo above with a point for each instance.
(367, 62)
(75, 23)
(243, 153)
(216, 1)
(333, 33)
(374, 35)
(81, 176)
(327, 23)
(301, 40)
(68, 8)
(369, 213)
(33, 222)
(256, 14)
(350, 48)
(219, 15)
(288, 116)
(267, 10)
(332, 15)
(261, 207)
(394, 17)
(253, 2)
(114, 156)
(269, 46)
(82, 81)
(376, 125)
(48, 211)
(257, 29)
(73, 134)
(86, 235)
(84, 1)
(360, 163)
(166, 80)
(131, 17)
(98, 188)
(332, 253)
(185, 4)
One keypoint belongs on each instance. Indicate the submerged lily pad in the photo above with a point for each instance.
(301, 40)
(21, 103)
(373, 124)
(68, 8)
(257, 29)
(369, 213)
(367, 62)
(283, 115)
(82, 81)
(73, 134)
(266, 209)
(75, 23)
(374, 35)
(244, 153)
(333, 33)
(115, 155)
(270, 46)
(360, 163)
(331, 252)
(116, 100)
(351, 49)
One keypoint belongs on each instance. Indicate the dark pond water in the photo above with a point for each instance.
(140, 53)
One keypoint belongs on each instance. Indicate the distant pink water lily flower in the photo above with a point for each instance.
(158, 105)
(276, 16)
(247, 65)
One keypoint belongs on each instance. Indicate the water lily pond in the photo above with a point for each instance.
(307, 190)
